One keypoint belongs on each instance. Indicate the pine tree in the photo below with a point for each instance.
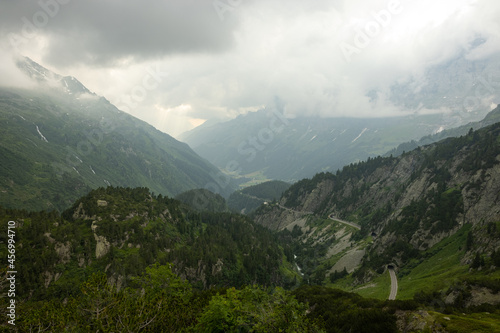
(495, 257)
(477, 262)
(470, 241)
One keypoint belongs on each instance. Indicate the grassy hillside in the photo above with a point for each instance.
(248, 199)
(55, 147)
(203, 200)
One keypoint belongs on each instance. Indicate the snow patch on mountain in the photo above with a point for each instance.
(41, 135)
(360, 134)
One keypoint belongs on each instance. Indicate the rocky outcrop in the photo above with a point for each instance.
(278, 217)
(102, 203)
(350, 261)
(102, 247)
(63, 250)
(79, 213)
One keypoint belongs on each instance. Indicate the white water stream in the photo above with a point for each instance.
(298, 268)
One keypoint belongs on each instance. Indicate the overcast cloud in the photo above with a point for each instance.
(227, 57)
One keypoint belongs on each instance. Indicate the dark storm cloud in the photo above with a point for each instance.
(324, 57)
(105, 31)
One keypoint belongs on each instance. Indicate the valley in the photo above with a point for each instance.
(398, 257)
(114, 217)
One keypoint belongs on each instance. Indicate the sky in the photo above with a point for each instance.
(179, 63)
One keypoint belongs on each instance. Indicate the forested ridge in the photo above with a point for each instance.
(123, 259)
(432, 214)
(250, 198)
(122, 231)
(430, 190)
(56, 147)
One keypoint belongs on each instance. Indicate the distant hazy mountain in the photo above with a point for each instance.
(467, 88)
(491, 118)
(60, 140)
(463, 89)
(291, 149)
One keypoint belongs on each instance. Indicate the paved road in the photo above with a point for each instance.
(354, 225)
(392, 273)
(394, 284)
(296, 211)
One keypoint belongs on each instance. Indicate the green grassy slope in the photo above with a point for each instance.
(55, 147)
(250, 198)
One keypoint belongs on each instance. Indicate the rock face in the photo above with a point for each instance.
(279, 218)
(63, 250)
(416, 199)
(102, 247)
(349, 261)
(102, 203)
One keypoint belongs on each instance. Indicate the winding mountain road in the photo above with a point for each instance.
(394, 284)
(354, 225)
(295, 211)
(392, 273)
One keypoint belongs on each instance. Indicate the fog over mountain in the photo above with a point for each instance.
(250, 166)
(218, 59)
(59, 140)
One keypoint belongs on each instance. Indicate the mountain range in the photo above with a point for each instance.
(59, 141)
(491, 118)
(429, 217)
(270, 144)
(431, 214)
(129, 235)
(267, 145)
